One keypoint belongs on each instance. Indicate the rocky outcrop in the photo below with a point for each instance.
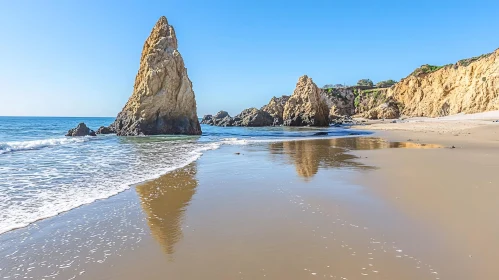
(275, 108)
(388, 110)
(469, 86)
(306, 107)
(207, 119)
(253, 117)
(81, 130)
(162, 101)
(340, 101)
(248, 117)
(221, 118)
(105, 130)
(367, 100)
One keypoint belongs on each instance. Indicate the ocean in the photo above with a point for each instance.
(44, 173)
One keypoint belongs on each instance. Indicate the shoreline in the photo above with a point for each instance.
(197, 154)
(317, 207)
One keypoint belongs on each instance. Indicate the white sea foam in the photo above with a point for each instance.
(31, 191)
(6, 147)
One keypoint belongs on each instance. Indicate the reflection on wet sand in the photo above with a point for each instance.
(164, 201)
(373, 143)
(310, 156)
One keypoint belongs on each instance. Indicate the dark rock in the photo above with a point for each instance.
(344, 120)
(221, 115)
(253, 117)
(320, 133)
(81, 130)
(207, 119)
(226, 121)
(105, 130)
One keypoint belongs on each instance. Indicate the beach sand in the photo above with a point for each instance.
(348, 208)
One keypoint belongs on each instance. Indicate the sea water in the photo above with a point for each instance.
(44, 173)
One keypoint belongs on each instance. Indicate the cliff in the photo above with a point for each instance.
(469, 86)
(162, 101)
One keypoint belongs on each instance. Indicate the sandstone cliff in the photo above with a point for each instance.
(469, 86)
(162, 101)
(306, 107)
(340, 101)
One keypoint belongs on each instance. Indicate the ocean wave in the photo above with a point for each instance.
(49, 202)
(14, 146)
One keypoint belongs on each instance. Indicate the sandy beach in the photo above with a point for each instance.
(399, 204)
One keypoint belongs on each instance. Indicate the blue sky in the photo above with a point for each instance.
(80, 58)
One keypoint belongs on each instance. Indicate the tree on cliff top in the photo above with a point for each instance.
(365, 83)
(385, 84)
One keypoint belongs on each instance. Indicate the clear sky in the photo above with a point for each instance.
(79, 58)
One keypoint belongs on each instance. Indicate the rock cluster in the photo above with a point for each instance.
(306, 107)
(249, 117)
(275, 108)
(105, 130)
(81, 130)
(253, 117)
(162, 101)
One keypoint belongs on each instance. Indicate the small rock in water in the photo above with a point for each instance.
(81, 130)
(321, 133)
(453, 147)
(105, 130)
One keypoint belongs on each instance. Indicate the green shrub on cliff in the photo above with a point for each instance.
(385, 84)
(427, 69)
(365, 83)
(356, 101)
(468, 61)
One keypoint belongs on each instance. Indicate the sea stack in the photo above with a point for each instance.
(306, 107)
(162, 101)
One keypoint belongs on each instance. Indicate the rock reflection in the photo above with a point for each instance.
(311, 155)
(373, 143)
(164, 201)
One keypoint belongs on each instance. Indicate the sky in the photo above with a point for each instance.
(80, 58)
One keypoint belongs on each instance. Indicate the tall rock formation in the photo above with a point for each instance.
(306, 107)
(469, 86)
(162, 101)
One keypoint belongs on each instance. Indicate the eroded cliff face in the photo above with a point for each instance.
(306, 107)
(469, 86)
(162, 101)
(340, 101)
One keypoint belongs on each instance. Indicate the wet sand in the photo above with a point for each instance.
(350, 208)
(454, 190)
